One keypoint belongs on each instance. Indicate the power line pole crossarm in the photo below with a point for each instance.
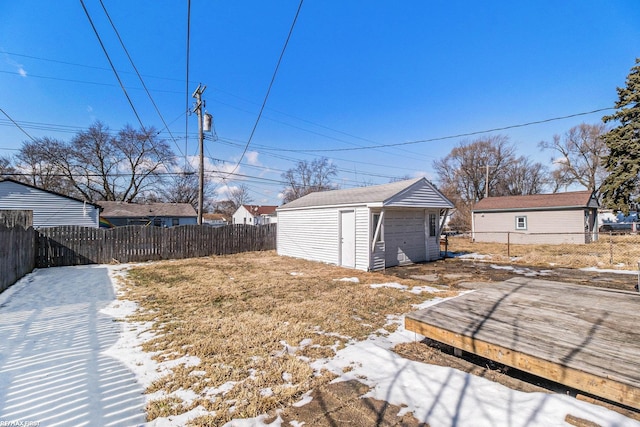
(197, 94)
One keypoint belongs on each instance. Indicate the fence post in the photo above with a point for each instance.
(610, 248)
(508, 244)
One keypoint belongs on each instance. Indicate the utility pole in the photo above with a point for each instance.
(198, 110)
(486, 183)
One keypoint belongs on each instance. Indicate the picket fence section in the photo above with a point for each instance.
(17, 254)
(71, 245)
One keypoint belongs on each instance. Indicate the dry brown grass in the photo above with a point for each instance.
(617, 251)
(255, 326)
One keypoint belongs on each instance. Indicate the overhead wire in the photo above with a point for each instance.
(187, 109)
(113, 68)
(461, 135)
(273, 78)
(133, 65)
(17, 125)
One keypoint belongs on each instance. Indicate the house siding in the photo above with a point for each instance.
(493, 226)
(49, 210)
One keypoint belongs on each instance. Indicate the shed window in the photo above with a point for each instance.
(521, 223)
(432, 225)
(376, 220)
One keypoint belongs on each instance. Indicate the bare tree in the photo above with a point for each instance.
(523, 178)
(308, 177)
(239, 196)
(6, 168)
(581, 150)
(485, 165)
(36, 160)
(183, 188)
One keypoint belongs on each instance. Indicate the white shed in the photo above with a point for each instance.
(50, 209)
(367, 228)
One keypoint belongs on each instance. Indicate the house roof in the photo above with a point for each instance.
(362, 195)
(49, 191)
(573, 199)
(261, 209)
(137, 210)
(215, 217)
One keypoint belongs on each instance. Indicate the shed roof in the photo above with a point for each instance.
(261, 209)
(137, 210)
(364, 195)
(572, 199)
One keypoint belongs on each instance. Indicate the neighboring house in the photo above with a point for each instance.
(255, 215)
(367, 228)
(570, 217)
(50, 209)
(215, 220)
(157, 214)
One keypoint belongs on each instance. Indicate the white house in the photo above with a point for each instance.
(367, 228)
(570, 217)
(255, 215)
(50, 209)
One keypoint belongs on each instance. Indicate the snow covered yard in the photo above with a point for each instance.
(69, 357)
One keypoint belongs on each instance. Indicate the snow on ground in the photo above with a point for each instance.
(68, 358)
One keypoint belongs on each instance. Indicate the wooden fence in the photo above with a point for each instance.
(17, 254)
(71, 245)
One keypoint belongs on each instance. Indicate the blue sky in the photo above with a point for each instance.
(355, 73)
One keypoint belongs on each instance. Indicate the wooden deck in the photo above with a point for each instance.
(583, 337)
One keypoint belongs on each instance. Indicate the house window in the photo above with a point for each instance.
(432, 225)
(174, 222)
(376, 220)
(521, 223)
(157, 222)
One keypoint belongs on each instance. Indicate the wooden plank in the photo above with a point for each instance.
(583, 337)
(608, 388)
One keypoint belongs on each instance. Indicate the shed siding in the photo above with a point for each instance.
(493, 226)
(417, 197)
(433, 242)
(310, 233)
(363, 241)
(49, 210)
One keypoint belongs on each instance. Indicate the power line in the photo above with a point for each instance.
(18, 126)
(273, 78)
(450, 136)
(113, 68)
(126, 51)
(186, 91)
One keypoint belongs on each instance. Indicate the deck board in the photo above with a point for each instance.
(584, 337)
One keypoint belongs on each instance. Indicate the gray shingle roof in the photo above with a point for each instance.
(350, 196)
(137, 210)
(573, 199)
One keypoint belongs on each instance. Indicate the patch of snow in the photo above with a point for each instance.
(420, 289)
(304, 399)
(348, 279)
(295, 273)
(178, 420)
(472, 256)
(392, 285)
(604, 270)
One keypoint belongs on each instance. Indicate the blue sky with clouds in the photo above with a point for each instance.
(355, 74)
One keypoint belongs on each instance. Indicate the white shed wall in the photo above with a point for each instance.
(49, 210)
(417, 197)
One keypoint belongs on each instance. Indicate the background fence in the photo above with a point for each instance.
(17, 253)
(610, 250)
(70, 245)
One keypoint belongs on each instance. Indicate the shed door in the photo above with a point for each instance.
(404, 235)
(348, 238)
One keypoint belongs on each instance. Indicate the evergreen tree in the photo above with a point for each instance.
(620, 187)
